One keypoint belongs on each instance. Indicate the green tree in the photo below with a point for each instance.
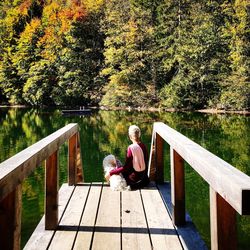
(45, 51)
(39, 85)
(79, 63)
(182, 54)
(128, 65)
(236, 87)
(14, 17)
(10, 84)
(199, 55)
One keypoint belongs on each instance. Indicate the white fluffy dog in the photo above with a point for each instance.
(117, 182)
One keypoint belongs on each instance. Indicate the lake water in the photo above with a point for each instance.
(105, 132)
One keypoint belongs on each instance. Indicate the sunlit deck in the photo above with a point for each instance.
(92, 216)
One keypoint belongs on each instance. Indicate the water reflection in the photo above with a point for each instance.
(106, 132)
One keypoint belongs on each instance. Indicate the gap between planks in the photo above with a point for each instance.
(98, 218)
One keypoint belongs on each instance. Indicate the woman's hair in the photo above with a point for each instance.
(134, 132)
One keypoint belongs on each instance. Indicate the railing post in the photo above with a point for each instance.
(51, 193)
(151, 160)
(80, 177)
(177, 188)
(222, 223)
(72, 154)
(10, 220)
(159, 163)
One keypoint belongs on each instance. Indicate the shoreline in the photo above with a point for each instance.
(222, 111)
(172, 110)
(149, 109)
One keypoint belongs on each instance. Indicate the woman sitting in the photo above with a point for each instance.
(135, 167)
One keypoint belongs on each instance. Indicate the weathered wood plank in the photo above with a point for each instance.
(79, 165)
(69, 224)
(135, 233)
(188, 234)
(86, 229)
(72, 170)
(159, 163)
(162, 232)
(223, 223)
(178, 188)
(229, 182)
(107, 233)
(107, 229)
(151, 161)
(14, 170)
(51, 191)
(40, 238)
(10, 220)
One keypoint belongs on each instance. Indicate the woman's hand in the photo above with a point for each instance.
(118, 163)
(107, 176)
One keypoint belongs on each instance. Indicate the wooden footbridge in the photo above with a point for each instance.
(91, 216)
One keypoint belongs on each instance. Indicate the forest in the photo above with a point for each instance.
(185, 54)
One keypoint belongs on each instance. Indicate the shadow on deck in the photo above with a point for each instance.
(92, 216)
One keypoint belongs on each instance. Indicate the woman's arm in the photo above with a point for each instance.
(128, 164)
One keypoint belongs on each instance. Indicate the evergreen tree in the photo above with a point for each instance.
(182, 54)
(39, 85)
(128, 54)
(166, 37)
(79, 64)
(236, 87)
(199, 55)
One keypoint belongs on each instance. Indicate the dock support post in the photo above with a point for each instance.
(223, 223)
(177, 188)
(10, 220)
(80, 177)
(51, 196)
(159, 163)
(72, 153)
(151, 160)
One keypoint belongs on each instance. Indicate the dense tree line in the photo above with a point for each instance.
(185, 54)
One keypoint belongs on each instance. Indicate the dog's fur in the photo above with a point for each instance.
(117, 182)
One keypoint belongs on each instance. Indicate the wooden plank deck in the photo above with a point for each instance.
(92, 216)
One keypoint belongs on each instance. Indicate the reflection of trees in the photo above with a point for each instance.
(116, 125)
(225, 136)
(11, 134)
(33, 202)
(106, 132)
(243, 231)
(236, 141)
(19, 129)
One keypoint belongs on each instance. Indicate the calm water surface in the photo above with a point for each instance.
(105, 132)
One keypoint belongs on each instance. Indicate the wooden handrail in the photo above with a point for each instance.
(14, 170)
(229, 187)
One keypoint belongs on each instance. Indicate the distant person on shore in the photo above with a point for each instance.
(135, 167)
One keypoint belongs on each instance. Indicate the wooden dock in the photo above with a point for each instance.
(92, 216)
(76, 112)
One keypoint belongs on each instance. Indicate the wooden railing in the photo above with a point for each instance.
(14, 170)
(229, 187)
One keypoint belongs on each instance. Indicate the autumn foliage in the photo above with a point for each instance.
(162, 53)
